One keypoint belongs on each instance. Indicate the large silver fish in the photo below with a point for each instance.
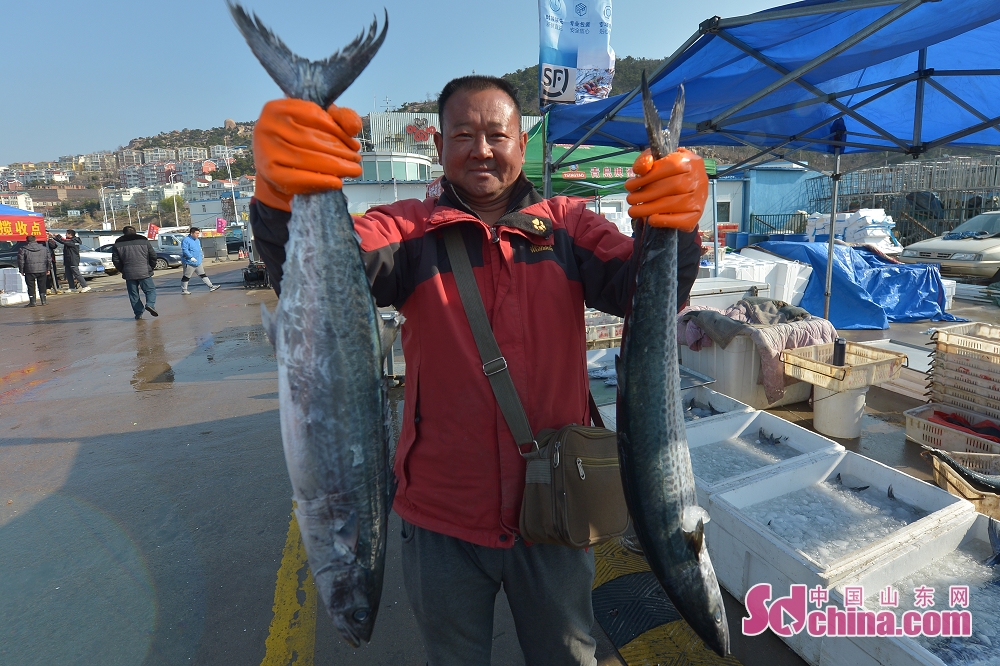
(652, 440)
(329, 345)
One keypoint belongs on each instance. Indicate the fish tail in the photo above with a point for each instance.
(320, 81)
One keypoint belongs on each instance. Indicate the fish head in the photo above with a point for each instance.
(351, 595)
(709, 622)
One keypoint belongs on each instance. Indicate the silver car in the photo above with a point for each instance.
(972, 248)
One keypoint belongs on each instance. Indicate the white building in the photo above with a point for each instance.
(230, 152)
(150, 155)
(129, 158)
(205, 212)
(20, 200)
(100, 161)
(192, 153)
(193, 169)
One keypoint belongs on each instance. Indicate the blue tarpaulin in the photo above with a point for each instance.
(870, 291)
(903, 76)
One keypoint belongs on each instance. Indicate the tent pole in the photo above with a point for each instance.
(547, 171)
(715, 227)
(833, 231)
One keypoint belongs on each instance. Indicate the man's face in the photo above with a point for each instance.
(195, 234)
(481, 145)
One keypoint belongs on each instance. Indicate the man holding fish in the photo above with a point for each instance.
(537, 262)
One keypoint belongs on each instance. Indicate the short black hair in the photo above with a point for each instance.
(128, 230)
(30, 239)
(71, 232)
(193, 229)
(475, 83)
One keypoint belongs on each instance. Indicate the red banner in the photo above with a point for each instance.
(19, 227)
(152, 231)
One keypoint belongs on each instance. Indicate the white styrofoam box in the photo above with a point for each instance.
(721, 293)
(12, 282)
(700, 394)
(746, 553)
(13, 299)
(736, 370)
(899, 651)
(950, 287)
(788, 278)
(728, 426)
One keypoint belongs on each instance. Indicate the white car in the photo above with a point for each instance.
(104, 258)
(972, 248)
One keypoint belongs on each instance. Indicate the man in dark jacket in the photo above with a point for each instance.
(134, 257)
(54, 275)
(71, 259)
(34, 261)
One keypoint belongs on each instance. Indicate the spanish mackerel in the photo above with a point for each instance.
(332, 392)
(652, 440)
(989, 482)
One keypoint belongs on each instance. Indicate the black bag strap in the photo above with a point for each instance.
(494, 364)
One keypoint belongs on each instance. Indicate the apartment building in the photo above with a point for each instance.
(153, 155)
(193, 169)
(129, 158)
(99, 161)
(20, 200)
(192, 153)
(227, 152)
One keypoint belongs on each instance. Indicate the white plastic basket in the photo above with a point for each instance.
(968, 400)
(968, 362)
(923, 431)
(978, 336)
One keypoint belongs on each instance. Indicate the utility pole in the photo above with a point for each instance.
(236, 215)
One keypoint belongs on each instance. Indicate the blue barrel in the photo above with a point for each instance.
(757, 238)
(793, 238)
(731, 237)
(822, 238)
(741, 239)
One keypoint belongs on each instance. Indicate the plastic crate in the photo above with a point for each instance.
(948, 479)
(966, 364)
(981, 337)
(923, 431)
(985, 388)
(863, 366)
(736, 370)
(968, 400)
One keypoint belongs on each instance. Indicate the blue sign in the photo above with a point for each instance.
(576, 62)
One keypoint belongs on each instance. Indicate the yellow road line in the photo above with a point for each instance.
(291, 638)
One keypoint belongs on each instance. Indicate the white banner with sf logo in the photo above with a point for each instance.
(576, 62)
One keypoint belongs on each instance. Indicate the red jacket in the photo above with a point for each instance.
(459, 470)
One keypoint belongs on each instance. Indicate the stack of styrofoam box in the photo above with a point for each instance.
(966, 368)
(736, 370)
(871, 226)
(745, 553)
(728, 426)
(788, 278)
(819, 223)
(600, 326)
(13, 289)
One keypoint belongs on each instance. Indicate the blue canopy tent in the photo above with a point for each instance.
(902, 76)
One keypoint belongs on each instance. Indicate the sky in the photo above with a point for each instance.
(87, 76)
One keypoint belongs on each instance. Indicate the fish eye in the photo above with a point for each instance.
(718, 616)
(361, 615)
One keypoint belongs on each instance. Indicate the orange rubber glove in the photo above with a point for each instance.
(299, 148)
(668, 192)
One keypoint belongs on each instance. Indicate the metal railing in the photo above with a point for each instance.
(785, 223)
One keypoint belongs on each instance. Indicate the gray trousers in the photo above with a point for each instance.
(452, 586)
(73, 275)
(190, 271)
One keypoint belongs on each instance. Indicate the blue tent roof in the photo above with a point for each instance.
(10, 211)
(763, 80)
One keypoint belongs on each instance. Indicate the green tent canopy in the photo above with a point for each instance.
(603, 176)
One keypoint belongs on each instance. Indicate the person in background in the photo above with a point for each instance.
(191, 257)
(71, 259)
(33, 262)
(134, 257)
(52, 245)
